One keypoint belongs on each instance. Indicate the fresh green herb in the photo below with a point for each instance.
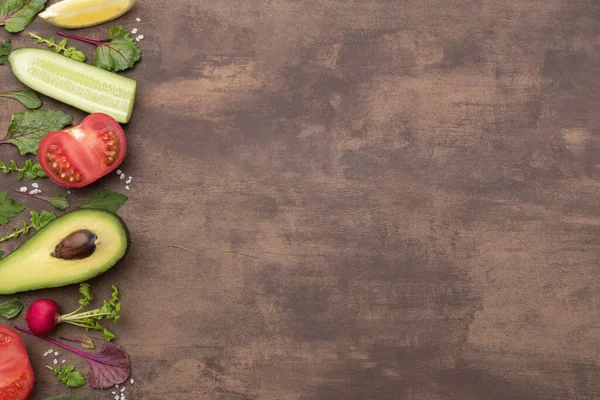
(110, 310)
(11, 308)
(105, 199)
(8, 208)
(67, 375)
(5, 49)
(31, 170)
(117, 53)
(26, 97)
(15, 15)
(59, 201)
(37, 222)
(60, 47)
(27, 128)
(1, 253)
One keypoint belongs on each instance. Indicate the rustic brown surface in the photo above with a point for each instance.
(357, 200)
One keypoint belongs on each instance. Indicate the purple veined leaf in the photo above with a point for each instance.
(109, 366)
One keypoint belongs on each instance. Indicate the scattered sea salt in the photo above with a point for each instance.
(68, 192)
(55, 353)
(122, 176)
(126, 187)
(63, 361)
(137, 39)
(122, 390)
(131, 381)
(55, 361)
(35, 185)
(116, 397)
(134, 31)
(119, 172)
(23, 189)
(138, 19)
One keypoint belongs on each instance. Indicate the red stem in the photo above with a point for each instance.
(35, 196)
(82, 39)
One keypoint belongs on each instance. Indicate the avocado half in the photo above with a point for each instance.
(73, 248)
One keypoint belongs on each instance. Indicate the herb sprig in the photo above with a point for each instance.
(37, 222)
(31, 170)
(60, 47)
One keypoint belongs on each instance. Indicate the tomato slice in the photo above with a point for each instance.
(16, 374)
(79, 155)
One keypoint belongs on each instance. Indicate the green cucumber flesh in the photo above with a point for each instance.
(80, 85)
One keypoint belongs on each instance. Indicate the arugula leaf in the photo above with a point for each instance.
(8, 208)
(85, 291)
(15, 15)
(105, 199)
(119, 52)
(11, 308)
(61, 47)
(67, 375)
(26, 97)
(31, 170)
(5, 49)
(37, 222)
(27, 128)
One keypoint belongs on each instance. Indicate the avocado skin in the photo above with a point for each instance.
(34, 269)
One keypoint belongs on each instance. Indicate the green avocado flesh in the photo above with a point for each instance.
(32, 266)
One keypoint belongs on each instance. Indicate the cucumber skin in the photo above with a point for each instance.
(22, 59)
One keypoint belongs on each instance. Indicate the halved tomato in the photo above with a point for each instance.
(79, 155)
(16, 374)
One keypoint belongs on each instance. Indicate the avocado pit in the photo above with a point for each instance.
(76, 246)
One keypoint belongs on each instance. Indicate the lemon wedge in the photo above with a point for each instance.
(74, 14)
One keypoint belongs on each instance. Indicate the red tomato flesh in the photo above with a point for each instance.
(79, 155)
(16, 374)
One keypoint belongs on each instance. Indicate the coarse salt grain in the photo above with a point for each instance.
(131, 381)
(55, 353)
(119, 172)
(35, 185)
(122, 390)
(55, 361)
(126, 187)
(134, 31)
(137, 39)
(122, 176)
(23, 189)
(63, 361)
(116, 397)
(68, 192)
(141, 37)
(138, 19)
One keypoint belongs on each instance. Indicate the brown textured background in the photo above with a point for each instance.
(357, 200)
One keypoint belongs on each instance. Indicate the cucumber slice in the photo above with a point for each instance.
(78, 84)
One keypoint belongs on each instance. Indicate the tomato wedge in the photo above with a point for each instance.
(79, 155)
(16, 374)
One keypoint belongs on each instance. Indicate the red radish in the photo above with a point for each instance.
(42, 316)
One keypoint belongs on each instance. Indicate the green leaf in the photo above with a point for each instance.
(105, 199)
(15, 15)
(8, 208)
(67, 375)
(27, 128)
(1, 253)
(5, 49)
(87, 342)
(38, 221)
(26, 97)
(60, 201)
(119, 53)
(31, 170)
(11, 308)
(85, 291)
